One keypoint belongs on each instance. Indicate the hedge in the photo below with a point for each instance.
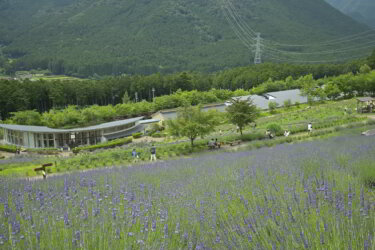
(158, 135)
(8, 148)
(43, 151)
(137, 135)
(110, 144)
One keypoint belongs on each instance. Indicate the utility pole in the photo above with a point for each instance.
(258, 50)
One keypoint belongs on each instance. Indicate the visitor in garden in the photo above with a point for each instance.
(135, 155)
(153, 153)
(286, 133)
(309, 127)
(270, 135)
(217, 143)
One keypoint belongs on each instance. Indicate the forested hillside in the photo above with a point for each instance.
(361, 10)
(87, 37)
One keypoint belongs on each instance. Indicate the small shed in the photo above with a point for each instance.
(365, 104)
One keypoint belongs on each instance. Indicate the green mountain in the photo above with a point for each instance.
(361, 10)
(87, 37)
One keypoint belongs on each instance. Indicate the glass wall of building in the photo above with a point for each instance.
(15, 137)
(44, 140)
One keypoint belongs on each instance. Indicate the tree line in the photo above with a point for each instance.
(348, 84)
(42, 95)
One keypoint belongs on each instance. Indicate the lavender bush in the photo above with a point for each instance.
(291, 196)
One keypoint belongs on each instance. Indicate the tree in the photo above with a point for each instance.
(28, 117)
(242, 112)
(364, 69)
(192, 122)
(272, 106)
(332, 91)
(371, 60)
(287, 103)
(126, 98)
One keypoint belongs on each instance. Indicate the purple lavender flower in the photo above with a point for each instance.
(217, 240)
(177, 230)
(186, 236)
(37, 234)
(322, 239)
(66, 219)
(165, 231)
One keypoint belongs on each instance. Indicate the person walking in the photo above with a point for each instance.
(153, 153)
(44, 174)
(309, 127)
(135, 155)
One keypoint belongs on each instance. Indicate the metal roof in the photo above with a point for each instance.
(41, 129)
(149, 121)
(260, 101)
(293, 95)
(365, 99)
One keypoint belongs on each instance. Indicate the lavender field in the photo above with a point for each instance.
(307, 195)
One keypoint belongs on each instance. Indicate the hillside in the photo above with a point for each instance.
(361, 10)
(85, 37)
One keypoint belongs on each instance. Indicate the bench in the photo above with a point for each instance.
(233, 143)
(369, 132)
(43, 167)
(214, 146)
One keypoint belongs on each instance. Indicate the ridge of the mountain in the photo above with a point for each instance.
(361, 10)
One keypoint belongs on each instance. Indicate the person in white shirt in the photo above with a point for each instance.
(309, 127)
(286, 133)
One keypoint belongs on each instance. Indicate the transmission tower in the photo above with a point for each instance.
(258, 50)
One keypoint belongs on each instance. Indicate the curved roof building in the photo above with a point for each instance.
(44, 137)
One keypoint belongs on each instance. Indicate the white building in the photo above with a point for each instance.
(44, 137)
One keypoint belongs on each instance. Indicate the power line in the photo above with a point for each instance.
(252, 33)
(258, 52)
(247, 35)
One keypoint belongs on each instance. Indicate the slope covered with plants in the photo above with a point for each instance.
(361, 10)
(85, 38)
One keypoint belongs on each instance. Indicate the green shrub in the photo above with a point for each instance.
(137, 135)
(287, 103)
(158, 135)
(366, 171)
(297, 104)
(43, 151)
(272, 106)
(310, 100)
(110, 144)
(8, 148)
(252, 137)
(275, 129)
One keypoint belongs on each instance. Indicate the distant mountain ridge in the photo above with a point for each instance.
(87, 37)
(361, 10)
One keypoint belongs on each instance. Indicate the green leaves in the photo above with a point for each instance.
(241, 113)
(192, 122)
